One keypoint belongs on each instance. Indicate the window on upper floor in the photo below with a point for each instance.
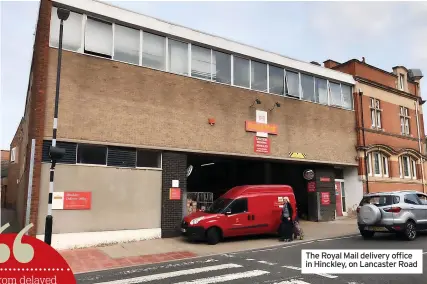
(307, 86)
(322, 91)
(126, 44)
(375, 113)
(92, 154)
(404, 120)
(201, 62)
(241, 72)
(72, 33)
(407, 167)
(153, 51)
(401, 82)
(13, 155)
(98, 38)
(221, 67)
(335, 91)
(276, 80)
(378, 164)
(259, 76)
(178, 57)
(148, 158)
(292, 84)
(347, 97)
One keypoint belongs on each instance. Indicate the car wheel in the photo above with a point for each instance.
(367, 234)
(410, 231)
(213, 236)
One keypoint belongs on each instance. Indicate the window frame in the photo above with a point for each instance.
(151, 168)
(88, 164)
(383, 163)
(405, 125)
(245, 199)
(401, 83)
(93, 53)
(139, 45)
(168, 58)
(13, 155)
(376, 111)
(412, 167)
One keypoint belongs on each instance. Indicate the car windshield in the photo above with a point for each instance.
(218, 206)
(380, 200)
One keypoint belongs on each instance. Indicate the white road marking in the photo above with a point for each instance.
(266, 262)
(320, 274)
(171, 274)
(226, 277)
(250, 259)
(292, 281)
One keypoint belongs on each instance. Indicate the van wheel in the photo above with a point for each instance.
(213, 236)
(410, 231)
(367, 234)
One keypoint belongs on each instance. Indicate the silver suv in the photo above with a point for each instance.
(401, 212)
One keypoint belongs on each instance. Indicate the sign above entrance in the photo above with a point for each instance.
(325, 179)
(261, 145)
(252, 126)
(296, 155)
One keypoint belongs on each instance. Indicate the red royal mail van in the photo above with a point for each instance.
(243, 210)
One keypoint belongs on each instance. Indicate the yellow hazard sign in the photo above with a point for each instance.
(297, 155)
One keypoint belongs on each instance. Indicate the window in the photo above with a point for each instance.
(378, 164)
(375, 113)
(99, 38)
(178, 57)
(412, 199)
(91, 154)
(276, 80)
(126, 44)
(13, 155)
(148, 159)
(292, 84)
(121, 157)
(201, 62)
(404, 121)
(258, 76)
(153, 51)
(241, 72)
(239, 206)
(307, 84)
(221, 66)
(407, 167)
(72, 36)
(401, 82)
(335, 90)
(422, 198)
(380, 200)
(321, 91)
(347, 97)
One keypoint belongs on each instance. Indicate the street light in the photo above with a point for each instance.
(55, 153)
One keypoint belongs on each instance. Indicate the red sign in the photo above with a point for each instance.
(325, 198)
(311, 186)
(325, 179)
(252, 126)
(175, 193)
(261, 145)
(77, 200)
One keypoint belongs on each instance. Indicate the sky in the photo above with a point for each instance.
(387, 34)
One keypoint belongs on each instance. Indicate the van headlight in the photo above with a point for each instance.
(197, 220)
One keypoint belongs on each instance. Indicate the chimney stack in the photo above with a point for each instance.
(363, 60)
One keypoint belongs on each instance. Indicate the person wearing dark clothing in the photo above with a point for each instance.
(286, 226)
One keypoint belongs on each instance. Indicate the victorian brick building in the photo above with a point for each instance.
(390, 126)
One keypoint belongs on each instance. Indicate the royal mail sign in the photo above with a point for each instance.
(252, 126)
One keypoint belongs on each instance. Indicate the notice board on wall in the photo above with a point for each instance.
(325, 198)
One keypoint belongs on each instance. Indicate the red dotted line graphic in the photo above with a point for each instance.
(35, 269)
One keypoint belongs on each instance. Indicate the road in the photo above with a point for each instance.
(274, 265)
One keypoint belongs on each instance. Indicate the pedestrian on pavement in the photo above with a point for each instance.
(286, 226)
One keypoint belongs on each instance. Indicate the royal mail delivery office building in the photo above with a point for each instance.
(151, 111)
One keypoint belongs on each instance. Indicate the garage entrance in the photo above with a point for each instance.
(211, 176)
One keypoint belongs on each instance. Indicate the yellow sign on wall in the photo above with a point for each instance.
(297, 155)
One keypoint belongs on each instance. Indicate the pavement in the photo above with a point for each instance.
(162, 250)
(280, 264)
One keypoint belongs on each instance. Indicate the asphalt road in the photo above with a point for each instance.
(274, 265)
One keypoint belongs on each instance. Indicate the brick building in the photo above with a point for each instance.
(392, 130)
(5, 157)
(146, 105)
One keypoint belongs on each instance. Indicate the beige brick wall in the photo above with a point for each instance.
(112, 102)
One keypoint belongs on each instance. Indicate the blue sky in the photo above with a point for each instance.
(385, 33)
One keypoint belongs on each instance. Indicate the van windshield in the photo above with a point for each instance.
(380, 200)
(218, 206)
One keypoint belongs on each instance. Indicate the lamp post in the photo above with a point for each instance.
(55, 153)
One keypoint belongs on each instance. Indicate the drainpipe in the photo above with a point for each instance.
(419, 144)
(364, 141)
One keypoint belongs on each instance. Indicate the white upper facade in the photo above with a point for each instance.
(260, 64)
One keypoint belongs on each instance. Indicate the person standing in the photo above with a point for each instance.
(286, 226)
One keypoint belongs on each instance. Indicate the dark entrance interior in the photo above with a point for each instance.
(217, 174)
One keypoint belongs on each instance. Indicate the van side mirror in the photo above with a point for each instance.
(228, 211)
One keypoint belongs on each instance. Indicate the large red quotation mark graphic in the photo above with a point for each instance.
(23, 253)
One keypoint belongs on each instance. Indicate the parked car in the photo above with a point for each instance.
(401, 212)
(241, 211)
